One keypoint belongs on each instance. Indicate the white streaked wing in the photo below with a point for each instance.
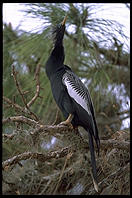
(73, 93)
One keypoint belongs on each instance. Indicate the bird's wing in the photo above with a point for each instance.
(77, 90)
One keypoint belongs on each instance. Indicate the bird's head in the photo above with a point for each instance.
(58, 32)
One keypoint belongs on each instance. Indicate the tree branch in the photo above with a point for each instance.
(37, 86)
(14, 73)
(105, 182)
(60, 131)
(16, 106)
(123, 145)
(21, 119)
(111, 120)
(123, 112)
(40, 156)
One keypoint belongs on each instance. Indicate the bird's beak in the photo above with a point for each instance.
(64, 20)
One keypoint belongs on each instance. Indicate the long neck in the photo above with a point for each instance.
(55, 60)
(58, 54)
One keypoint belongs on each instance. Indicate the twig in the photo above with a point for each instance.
(16, 106)
(56, 117)
(123, 145)
(62, 172)
(7, 136)
(21, 119)
(14, 73)
(123, 112)
(104, 183)
(111, 120)
(40, 156)
(37, 86)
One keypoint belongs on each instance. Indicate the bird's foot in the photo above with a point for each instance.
(68, 121)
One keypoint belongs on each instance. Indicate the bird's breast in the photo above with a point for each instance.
(57, 87)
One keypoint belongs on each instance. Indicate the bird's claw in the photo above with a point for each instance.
(65, 123)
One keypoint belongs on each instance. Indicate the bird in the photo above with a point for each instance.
(71, 95)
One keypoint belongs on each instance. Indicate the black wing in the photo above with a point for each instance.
(77, 90)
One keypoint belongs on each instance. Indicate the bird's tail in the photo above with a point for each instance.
(95, 134)
(93, 161)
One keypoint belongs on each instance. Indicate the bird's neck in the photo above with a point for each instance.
(57, 54)
(55, 60)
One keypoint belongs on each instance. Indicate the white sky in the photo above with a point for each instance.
(115, 11)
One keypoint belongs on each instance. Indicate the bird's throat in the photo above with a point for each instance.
(58, 54)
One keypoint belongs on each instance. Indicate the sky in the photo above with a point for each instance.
(115, 11)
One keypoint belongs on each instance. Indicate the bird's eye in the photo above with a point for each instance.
(59, 26)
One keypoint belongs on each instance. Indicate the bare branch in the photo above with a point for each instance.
(105, 182)
(40, 156)
(59, 131)
(111, 120)
(14, 73)
(37, 86)
(18, 107)
(21, 119)
(124, 145)
(123, 112)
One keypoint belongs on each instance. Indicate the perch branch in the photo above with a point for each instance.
(60, 131)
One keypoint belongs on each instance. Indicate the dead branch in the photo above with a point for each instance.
(123, 112)
(56, 117)
(60, 131)
(111, 143)
(105, 182)
(16, 106)
(40, 156)
(21, 119)
(62, 172)
(14, 73)
(37, 86)
(9, 137)
(110, 121)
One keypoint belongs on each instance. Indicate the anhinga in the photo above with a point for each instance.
(71, 95)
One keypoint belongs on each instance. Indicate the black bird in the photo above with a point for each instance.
(71, 95)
